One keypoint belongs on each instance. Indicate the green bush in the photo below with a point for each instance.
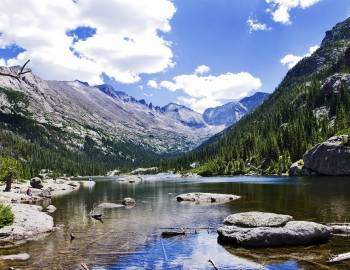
(6, 216)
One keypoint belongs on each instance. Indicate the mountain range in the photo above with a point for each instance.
(99, 123)
(311, 104)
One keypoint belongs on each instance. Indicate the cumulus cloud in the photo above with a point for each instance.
(203, 91)
(202, 69)
(290, 60)
(126, 42)
(152, 84)
(255, 25)
(280, 9)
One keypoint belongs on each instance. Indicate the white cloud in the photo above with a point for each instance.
(152, 84)
(210, 90)
(202, 69)
(127, 41)
(280, 9)
(291, 60)
(255, 25)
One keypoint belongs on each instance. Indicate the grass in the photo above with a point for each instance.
(6, 216)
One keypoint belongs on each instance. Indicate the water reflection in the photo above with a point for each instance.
(111, 245)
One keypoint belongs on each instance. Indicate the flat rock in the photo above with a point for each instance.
(257, 219)
(29, 223)
(206, 197)
(109, 205)
(293, 233)
(15, 257)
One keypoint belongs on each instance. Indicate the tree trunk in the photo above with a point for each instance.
(8, 180)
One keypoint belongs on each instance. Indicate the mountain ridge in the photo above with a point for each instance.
(309, 106)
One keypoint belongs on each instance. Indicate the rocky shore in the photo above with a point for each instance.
(331, 157)
(30, 221)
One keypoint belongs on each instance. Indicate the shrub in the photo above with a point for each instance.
(6, 216)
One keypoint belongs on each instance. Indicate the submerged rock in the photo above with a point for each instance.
(257, 219)
(257, 229)
(109, 205)
(206, 197)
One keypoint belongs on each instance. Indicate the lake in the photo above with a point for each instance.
(130, 238)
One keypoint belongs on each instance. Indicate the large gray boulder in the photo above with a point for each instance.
(331, 157)
(257, 219)
(199, 197)
(36, 182)
(293, 233)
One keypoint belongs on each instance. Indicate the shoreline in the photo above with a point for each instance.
(31, 221)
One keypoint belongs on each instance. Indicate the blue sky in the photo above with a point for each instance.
(203, 32)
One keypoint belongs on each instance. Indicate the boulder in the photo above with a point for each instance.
(258, 229)
(128, 202)
(293, 233)
(109, 205)
(36, 182)
(297, 168)
(45, 193)
(206, 197)
(51, 208)
(331, 157)
(257, 219)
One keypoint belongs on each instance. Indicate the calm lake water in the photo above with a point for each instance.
(130, 238)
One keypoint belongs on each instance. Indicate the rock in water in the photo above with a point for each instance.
(36, 183)
(128, 202)
(331, 157)
(257, 219)
(15, 257)
(206, 197)
(110, 205)
(51, 208)
(257, 229)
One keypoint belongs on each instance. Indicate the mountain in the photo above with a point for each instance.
(185, 115)
(75, 127)
(230, 113)
(254, 101)
(310, 105)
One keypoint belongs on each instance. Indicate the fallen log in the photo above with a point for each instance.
(167, 234)
(340, 257)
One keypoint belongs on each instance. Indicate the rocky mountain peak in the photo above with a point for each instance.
(340, 31)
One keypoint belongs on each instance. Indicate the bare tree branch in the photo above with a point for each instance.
(19, 74)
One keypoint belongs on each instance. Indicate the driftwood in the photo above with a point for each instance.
(167, 234)
(340, 257)
(19, 74)
(84, 266)
(213, 264)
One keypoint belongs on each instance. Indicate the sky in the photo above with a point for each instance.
(199, 53)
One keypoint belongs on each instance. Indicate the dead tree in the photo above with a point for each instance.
(19, 74)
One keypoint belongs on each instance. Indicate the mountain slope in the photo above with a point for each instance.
(99, 126)
(311, 104)
(230, 113)
(184, 115)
